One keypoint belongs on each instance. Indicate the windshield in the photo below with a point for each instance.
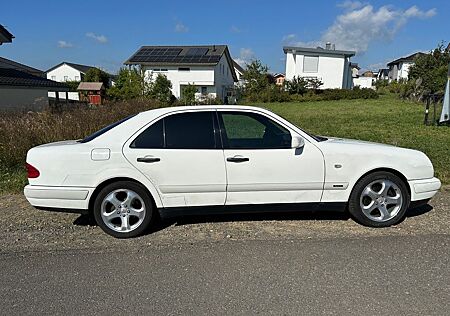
(104, 130)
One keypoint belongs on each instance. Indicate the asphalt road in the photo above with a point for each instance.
(385, 275)
(282, 264)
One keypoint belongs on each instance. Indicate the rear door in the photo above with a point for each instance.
(182, 155)
(262, 167)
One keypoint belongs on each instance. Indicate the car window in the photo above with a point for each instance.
(253, 131)
(103, 130)
(152, 137)
(193, 130)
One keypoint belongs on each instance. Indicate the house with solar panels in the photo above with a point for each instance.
(209, 67)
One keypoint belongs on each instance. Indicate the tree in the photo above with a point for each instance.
(130, 84)
(97, 75)
(160, 89)
(256, 76)
(431, 69)
(188, 93)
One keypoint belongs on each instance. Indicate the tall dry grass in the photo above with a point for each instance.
(21, 131)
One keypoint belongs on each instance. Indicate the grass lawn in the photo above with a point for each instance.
(384, 120)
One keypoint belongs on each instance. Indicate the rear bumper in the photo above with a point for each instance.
(73, 198)
(424, 189)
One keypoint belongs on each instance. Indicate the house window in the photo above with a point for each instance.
(163, 69)
(54, 78)
(204, 90)
(66, 78)
(311, 64)
(184, 69)
(77, 78)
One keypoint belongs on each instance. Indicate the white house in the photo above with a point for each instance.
(210, 68)
(399, 68)
(329, 65)
(67, 72)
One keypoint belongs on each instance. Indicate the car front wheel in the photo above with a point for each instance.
(379, 199)
(123, 209)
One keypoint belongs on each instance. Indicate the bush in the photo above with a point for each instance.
(21, 131)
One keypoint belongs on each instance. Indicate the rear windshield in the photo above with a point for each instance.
(104, 130)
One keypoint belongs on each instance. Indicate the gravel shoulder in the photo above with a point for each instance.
(26, 229)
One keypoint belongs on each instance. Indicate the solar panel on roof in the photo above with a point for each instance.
(197, 51)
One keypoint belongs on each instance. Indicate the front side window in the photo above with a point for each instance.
(253, 131)
(194, 130)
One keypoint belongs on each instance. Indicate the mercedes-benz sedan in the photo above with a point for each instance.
(185, 160)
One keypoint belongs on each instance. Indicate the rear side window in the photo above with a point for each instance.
(190, 131)
(195, 130)
(152, 137)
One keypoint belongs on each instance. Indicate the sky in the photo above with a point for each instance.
(105, 33)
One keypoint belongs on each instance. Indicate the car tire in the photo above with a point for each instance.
(123, 209)
(379, 199)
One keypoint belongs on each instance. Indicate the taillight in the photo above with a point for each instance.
(32, 171)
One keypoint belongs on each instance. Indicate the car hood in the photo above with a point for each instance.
(356, 154)
(347, 141)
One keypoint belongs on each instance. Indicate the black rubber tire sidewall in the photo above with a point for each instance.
(139, 189)
(354, 206)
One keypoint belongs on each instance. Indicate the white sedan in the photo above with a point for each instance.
(185, 160)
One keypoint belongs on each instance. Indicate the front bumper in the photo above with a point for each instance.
(424, 189)
(74, 198)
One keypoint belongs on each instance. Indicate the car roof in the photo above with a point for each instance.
(161, 111)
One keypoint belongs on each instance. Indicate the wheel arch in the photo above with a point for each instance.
(385, 169)
(117, 179)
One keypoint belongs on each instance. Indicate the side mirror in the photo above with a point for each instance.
(297, 141)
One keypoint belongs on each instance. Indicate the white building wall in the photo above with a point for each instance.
(330, 70)
(403, 70)
(64, 73)
(363, 82)
(223, 77)
(197, 75)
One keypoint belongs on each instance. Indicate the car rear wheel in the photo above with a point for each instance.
(123, 209)
(379, 199)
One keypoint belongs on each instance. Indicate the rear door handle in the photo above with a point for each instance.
(148, 159)
(237, 159)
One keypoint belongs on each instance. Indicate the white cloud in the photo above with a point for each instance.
(351, 5)
(102, 39)
(245, 57)
(64, 44)
(361, 24)
(181, 28)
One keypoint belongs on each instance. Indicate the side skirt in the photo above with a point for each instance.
(251, 208)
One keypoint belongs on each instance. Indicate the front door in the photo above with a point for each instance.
(182, 156)
(262, 168)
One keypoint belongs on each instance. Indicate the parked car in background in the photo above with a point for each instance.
(184, 160)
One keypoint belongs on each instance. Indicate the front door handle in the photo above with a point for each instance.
(148, 159)
(237, 159)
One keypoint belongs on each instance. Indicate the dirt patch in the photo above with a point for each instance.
(27, 229)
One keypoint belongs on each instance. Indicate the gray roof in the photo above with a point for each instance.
(6, 63)
(319, 51)
(79, 67)
(5, 36)
(238, 67)
(408, 58)
(14, 77)
(203, 55)
(90, 86)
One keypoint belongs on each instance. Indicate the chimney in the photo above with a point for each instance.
(328, 46)
(333, 47)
